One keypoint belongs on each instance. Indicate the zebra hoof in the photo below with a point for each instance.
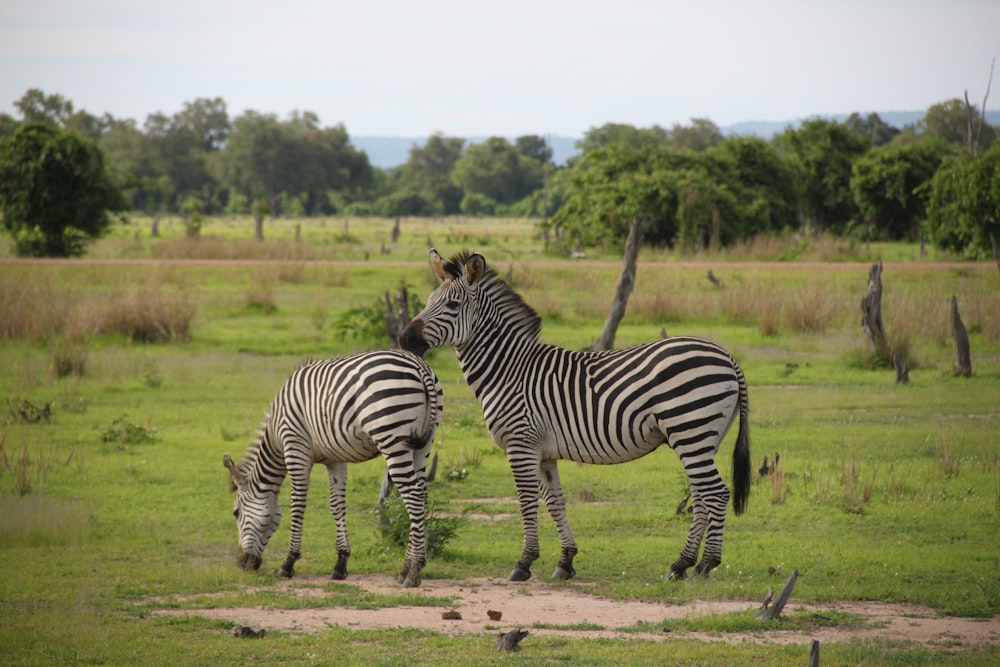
(519, 574)
(562, 573)
(411, 582)
(338, 575)
(286, 573)
(674, 575)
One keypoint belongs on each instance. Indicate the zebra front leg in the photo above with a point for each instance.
(298, 474)
(553, 496)
(525, 466)
(338, 508)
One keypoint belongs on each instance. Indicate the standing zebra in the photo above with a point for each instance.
(335, 412)
(543, 403)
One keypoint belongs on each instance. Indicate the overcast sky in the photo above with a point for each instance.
(506, 67)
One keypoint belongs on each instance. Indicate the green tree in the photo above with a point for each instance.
(891, 187)
(699, 136)
(821, 153)
(873, 127)
(37, 107)
(611, 134)
(762, 182)
(428, 170)
(55, 192)
(496, 169)
(957, 123)
(963, 213)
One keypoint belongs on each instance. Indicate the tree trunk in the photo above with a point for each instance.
(509, 640)
(625, 283)
(963, 358)
(871, 312)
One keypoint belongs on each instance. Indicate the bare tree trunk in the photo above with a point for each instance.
(871, 312)
(963, 358)
(625, 283)
(397, 315)
(770, 612)
(996, 257)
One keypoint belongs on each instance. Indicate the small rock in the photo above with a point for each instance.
(451, 615)
(494, 615)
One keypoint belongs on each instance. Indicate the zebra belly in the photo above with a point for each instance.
(591, 448)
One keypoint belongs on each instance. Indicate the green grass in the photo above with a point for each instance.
(887, 492)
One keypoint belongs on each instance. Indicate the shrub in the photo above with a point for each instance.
(395, 523)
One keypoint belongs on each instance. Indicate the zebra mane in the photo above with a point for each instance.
(508, 302)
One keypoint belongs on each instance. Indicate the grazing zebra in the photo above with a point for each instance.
(335, 412)
(543, 403)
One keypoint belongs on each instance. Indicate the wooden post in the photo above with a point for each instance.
(625, 283)
(963, 358)
(871, 312)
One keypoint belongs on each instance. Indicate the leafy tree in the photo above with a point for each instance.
(37, 107)
(8, 125)
(429, 169)
(955, 122)
(821, 153)
(611, 134)
(963, 213)
(55, 192)
(496, 168)
(763, 182)
(699, 136)
(608, 187)
(534, 147)
(873, 127)
(891, 183)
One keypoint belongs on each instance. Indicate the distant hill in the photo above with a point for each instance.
(388, 152)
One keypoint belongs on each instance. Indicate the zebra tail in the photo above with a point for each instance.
(741, 454)
(432, 394)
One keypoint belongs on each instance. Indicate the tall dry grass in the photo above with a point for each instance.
(38, 310)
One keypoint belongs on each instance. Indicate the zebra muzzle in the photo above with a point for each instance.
(412, 339)
(248, 561)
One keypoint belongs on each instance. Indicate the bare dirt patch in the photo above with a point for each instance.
(568, 612)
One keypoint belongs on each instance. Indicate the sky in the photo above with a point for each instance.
(508, 67)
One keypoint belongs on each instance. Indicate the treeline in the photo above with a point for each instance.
(937, 180)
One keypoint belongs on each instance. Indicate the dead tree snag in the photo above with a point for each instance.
(625, 283)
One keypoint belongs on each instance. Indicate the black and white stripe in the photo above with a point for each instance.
(543, 403)
(339, 411)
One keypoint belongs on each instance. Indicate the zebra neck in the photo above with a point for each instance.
(490, 360)
(263, 466)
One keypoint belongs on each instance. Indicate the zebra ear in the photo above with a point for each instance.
(437, 265)
(231, 467)
(475, 268)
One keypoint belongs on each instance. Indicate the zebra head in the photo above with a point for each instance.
(451, 309)
(257, 516)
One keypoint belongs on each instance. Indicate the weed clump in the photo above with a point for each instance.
(126, 432)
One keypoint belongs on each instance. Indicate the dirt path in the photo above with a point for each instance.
(561, 608)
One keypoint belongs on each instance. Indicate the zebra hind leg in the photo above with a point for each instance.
(689, 554)
(716, 519)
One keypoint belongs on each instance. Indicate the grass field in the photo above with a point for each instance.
(126, 376)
